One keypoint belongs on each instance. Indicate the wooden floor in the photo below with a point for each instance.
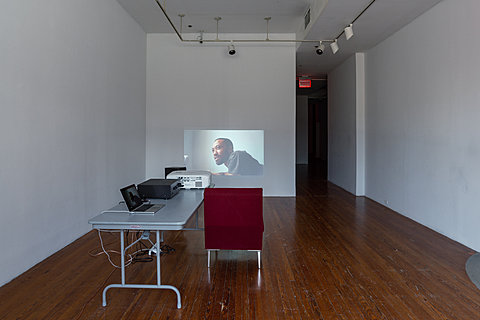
(327, 255)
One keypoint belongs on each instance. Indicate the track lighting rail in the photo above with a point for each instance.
(169, 20)
(348, 31)
(230, 40)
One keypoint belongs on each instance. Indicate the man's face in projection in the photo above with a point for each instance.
(221, 151)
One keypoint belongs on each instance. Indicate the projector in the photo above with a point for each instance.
(159, 188)
(192, 179)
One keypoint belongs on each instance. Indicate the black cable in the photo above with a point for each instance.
(138, 258)
(140, 246)
(166, 249)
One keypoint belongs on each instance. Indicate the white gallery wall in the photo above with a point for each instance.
(342, 125)
(422, 121)
(192, 86)
(72, 130)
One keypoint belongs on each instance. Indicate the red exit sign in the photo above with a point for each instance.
(304, 83)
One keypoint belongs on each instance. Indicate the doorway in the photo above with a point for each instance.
(318, 137)
(312, 131)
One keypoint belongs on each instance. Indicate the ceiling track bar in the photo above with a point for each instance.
(240, 40)
(169, 20)
(256, 40)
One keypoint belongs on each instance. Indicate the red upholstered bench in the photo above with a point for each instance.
(233, 219)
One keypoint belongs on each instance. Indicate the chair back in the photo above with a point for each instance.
(233, 218)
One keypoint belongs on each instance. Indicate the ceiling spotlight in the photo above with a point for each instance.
(319, 48)
(231, 49)
(334, 46)
(348, 31)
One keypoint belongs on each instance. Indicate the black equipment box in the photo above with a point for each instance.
(159, 188)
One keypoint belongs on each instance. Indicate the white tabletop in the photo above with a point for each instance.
(173, 216)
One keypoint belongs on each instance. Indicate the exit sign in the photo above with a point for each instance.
(304, 83)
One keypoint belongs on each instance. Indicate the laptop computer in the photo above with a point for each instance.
(134, 201)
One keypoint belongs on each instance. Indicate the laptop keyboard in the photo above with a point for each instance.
(144, 207)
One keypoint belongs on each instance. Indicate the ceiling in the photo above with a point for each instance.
(238, 16)
(382, 19)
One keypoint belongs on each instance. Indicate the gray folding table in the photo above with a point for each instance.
(173, 216)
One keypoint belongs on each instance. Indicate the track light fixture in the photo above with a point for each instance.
(348, 31)
(231, 49)
(320, 48)
(334, 46)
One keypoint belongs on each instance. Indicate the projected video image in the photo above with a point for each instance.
(225, 152)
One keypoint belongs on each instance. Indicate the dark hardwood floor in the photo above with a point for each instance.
(327, 255)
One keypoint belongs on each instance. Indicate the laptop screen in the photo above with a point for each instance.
(131, 197)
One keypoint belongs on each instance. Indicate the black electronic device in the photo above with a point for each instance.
(159, 188)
